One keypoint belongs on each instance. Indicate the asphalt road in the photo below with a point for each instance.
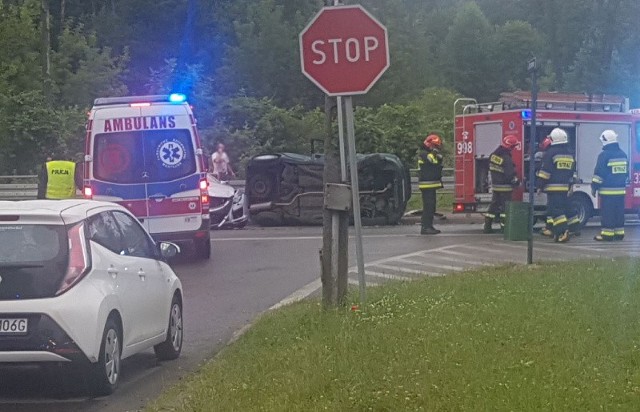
(251, 270)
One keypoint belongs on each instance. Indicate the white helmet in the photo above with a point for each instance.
(558, 136)
(608, 137)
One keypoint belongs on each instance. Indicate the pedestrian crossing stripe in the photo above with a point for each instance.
(434, 262)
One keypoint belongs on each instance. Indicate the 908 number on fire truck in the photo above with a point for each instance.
(464, 148)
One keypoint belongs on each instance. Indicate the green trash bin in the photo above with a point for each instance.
(516, 225)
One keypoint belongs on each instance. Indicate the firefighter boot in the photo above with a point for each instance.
(563, 237)
(488, 222)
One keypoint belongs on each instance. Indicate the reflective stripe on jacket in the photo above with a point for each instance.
(433, 184)
(60, 180)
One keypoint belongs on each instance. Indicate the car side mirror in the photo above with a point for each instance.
(169, 250)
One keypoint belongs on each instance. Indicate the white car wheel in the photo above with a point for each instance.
(105, 374)
(170, 349)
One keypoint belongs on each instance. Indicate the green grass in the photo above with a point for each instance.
(554, 337)
(445, 202)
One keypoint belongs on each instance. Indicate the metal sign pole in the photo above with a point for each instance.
(343, 156)
(335, 215)
(532, 142)
(355, 190)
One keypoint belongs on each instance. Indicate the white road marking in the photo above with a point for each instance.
(388, 276)
(460, 256)
(319, 237)
(431, 265)
(257, 239)
(407, 270)
(504, 256)
(369, 283)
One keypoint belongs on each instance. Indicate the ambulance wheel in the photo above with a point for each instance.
(203, 249)
(582, 206)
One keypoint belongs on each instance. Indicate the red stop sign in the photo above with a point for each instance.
(344, 50)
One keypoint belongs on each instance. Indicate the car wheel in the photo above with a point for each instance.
(261, 187)
(203, 249)
(105, 374)
(170, 349)
(582, 206)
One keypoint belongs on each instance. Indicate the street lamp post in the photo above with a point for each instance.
(533, 69)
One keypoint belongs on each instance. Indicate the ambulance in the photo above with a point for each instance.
(480, 127)
(144, 153)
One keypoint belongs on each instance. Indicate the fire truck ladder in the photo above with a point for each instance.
(466, 101)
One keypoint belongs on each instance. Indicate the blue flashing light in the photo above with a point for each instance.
(526, 114)
(177, 98)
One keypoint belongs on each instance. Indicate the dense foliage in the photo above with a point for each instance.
(238, 62)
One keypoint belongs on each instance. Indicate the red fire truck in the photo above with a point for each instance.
(480, 128)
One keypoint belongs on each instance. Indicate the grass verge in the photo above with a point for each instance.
(551, 337)
(444, 202)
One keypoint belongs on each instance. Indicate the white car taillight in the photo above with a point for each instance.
(79, 258)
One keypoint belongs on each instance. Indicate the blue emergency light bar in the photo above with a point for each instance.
(171, 98)
(177, 98)
(526, 114)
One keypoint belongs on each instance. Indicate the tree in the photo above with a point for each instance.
(38, 117)
(512, 45)
(467, 53)
(264, 61)
(82, 71)
(604, 63)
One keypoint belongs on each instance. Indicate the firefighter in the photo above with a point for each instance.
(610, 180)
(430, 164)
(544, 145)
(57, 180)
(556, 177)
(503, 180)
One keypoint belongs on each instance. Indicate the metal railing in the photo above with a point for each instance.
(26, 187)
(447, 180)
(18, 187)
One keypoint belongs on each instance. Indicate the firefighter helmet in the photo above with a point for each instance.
(608, 137)
(510, 142)
(433, 141)
(558, 136)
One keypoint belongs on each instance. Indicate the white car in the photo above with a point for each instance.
(82, 281)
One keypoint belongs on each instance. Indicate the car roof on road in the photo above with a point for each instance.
(70, 211)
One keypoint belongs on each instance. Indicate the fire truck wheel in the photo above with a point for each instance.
(583, 208)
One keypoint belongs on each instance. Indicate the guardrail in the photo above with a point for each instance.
(18, 187)
(26, 187)
(447, 180)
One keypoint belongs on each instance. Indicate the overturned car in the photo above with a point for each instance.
(287, 189)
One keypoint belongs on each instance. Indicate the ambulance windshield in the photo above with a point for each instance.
(144, 156)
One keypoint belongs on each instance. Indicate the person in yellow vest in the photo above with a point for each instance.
(57, 180)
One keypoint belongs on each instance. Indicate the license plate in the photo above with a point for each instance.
(13, 326)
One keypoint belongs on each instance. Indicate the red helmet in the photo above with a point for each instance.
(545, 143)
(510, 142)
(433, 141)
